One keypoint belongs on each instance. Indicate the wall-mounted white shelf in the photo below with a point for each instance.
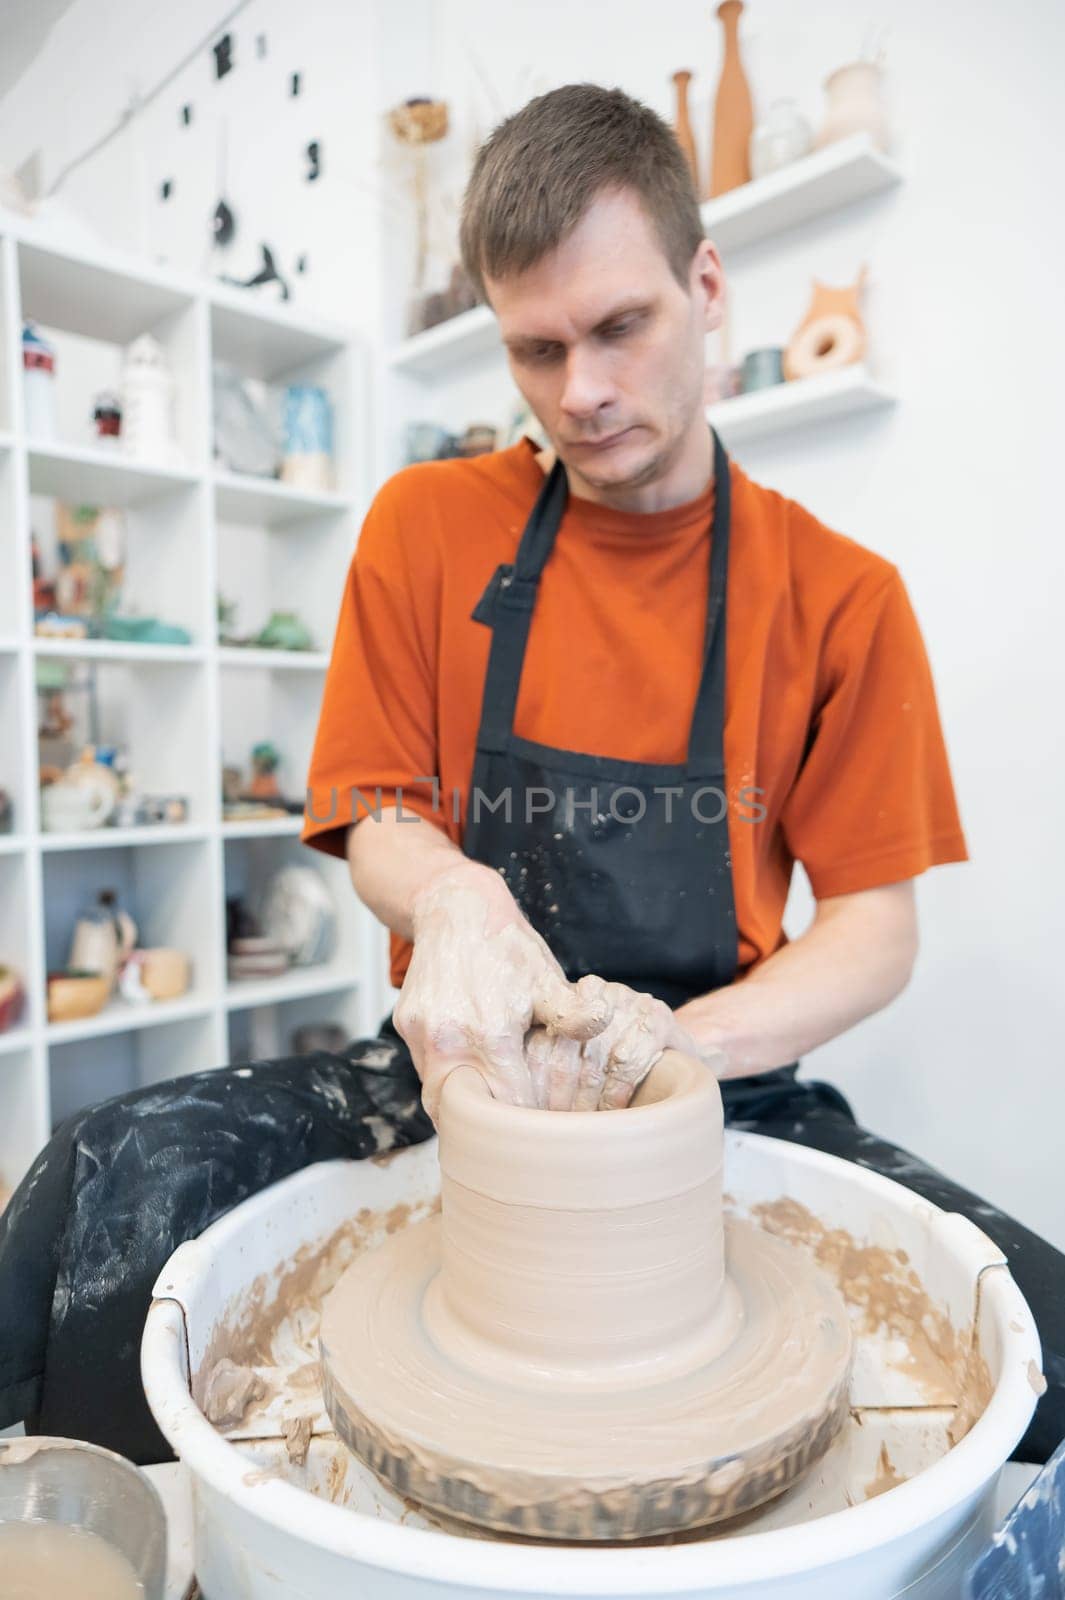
(463, 338)
(831, 397)
(829, 179)
(193, 531)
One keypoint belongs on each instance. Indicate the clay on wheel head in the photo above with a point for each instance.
(562, 1353)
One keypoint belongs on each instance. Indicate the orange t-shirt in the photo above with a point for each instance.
(830, 708)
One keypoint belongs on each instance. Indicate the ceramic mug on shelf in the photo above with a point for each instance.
(164, 972)
(70, 807)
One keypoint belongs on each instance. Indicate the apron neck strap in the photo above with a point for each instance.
(512, 609)
(706, 742)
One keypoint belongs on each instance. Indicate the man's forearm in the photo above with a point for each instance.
(855, 957)
(393, 861)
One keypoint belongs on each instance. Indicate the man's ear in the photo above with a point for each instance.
(709, 281)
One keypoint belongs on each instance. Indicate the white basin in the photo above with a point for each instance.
(267, 1528)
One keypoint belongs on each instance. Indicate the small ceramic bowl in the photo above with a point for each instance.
(74, 994)
(81, 1486)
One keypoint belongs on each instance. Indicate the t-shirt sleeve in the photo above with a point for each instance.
(874, 801)
(376, 729)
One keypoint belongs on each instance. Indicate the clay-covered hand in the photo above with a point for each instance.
(604, 1071)
(479, 978)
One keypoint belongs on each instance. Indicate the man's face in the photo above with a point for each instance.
(605, 345)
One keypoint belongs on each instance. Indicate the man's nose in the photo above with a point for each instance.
(588, 388)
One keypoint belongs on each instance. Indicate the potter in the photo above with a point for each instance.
(607, 609)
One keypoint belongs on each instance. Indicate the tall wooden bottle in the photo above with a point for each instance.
(682, 126)
(733, 113)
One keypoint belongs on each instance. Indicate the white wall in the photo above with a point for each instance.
(960, 487)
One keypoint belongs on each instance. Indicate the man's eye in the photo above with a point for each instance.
(618, 330)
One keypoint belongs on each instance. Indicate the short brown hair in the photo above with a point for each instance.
(538, 172)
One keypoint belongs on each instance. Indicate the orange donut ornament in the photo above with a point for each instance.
(831, 334)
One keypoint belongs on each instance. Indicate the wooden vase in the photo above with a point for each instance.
(733, 112)
(682, 126)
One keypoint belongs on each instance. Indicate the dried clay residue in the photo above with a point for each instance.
(886, 1476)
(230, 1390)
(297, 1432)
(881, 1285)
(275, 1321)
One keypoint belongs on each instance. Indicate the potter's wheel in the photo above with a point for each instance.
(574, 1350)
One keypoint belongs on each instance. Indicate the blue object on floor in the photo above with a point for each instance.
(1025, 1559)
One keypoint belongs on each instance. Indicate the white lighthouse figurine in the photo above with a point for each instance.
(148, 403)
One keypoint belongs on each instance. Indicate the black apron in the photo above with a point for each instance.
(624, 867)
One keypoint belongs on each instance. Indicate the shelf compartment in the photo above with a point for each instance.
(267, 502)
(263, 568)
(249, 864)
(90, 1068)
(831, 398)
(266, 1032)
(96, 299)
(168, 890)
(87, 475)
(278, 706)
(267, 341)
(164, 568)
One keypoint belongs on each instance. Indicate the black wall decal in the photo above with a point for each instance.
(223, 55)
(186, 116)
(260, 45)
(301, 263)
(314, 157)
(294, 85)
(166, 188)
(267, 273)
(223, 223)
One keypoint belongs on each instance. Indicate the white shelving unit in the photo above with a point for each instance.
(762, 210)
(193, 531)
